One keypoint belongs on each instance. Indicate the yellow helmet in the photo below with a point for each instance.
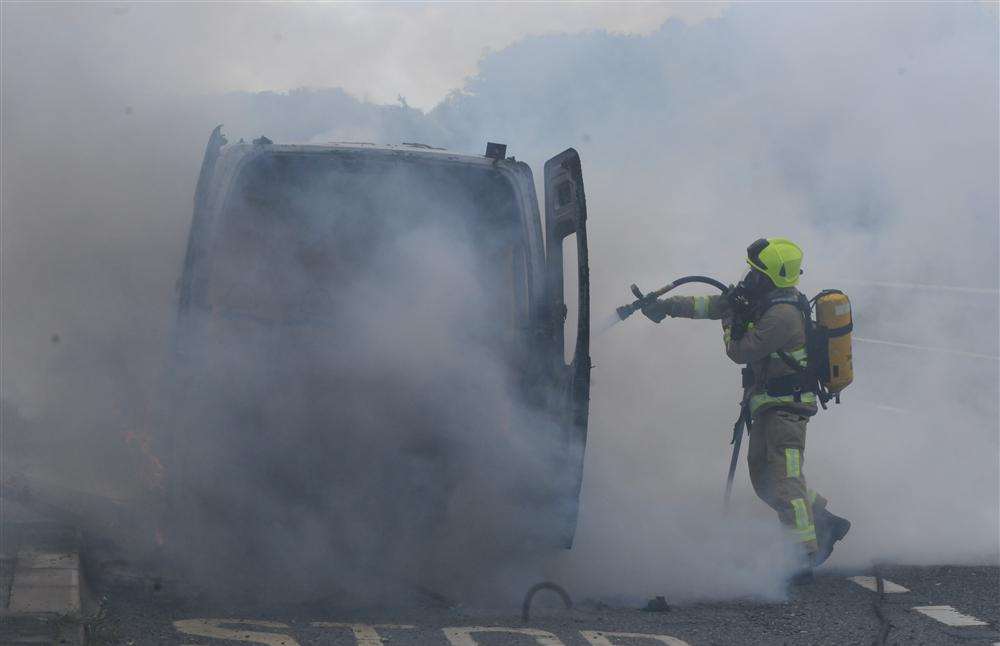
(779, 259)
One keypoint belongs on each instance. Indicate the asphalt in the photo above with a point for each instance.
(127, 604)
(833, 610)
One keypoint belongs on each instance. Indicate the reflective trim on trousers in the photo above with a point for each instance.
(804, 535)
(804, 529)
(793, 465)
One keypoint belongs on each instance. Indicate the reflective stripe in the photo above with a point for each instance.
(762, 399)
(793, 463)
(801, 513)
(700, 307)
(804, 535)
(804, 529)
(727, 335)
(799, 354)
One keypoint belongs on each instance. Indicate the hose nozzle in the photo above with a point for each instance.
(640, 301)
(625, 311)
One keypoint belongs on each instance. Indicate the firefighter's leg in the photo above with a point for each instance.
(757, 462)
(785, 436)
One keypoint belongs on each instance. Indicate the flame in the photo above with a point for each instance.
(151, 469)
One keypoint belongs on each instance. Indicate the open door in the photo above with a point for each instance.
(197, 234)
(565, 215)
(174, 441)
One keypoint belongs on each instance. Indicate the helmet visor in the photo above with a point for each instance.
(753, 253)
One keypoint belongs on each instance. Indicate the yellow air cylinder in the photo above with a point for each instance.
(833, 312)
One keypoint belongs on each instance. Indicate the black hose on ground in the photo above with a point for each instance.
(545, 585)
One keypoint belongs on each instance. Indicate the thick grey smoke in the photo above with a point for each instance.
(348, 404)
(867, 133)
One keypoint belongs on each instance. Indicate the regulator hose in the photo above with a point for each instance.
(641, 301)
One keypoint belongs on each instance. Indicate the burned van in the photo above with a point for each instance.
(370, 349)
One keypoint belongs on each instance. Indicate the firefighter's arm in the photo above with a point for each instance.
(690, 307)
(769, 334)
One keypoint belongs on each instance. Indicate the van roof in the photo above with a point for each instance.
(405, 150)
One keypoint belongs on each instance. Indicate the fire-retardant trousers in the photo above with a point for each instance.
(776, 454)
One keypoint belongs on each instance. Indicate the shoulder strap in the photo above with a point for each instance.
(765, 304)
(802, 304)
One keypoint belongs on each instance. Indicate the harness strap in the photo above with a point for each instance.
(793, 384)
(841, 331)
(791, 362)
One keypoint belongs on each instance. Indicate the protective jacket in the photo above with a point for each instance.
(776, 326)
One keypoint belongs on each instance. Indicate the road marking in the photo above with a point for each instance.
(891, 409)
(869, 582)
(463, 636)
(213, 628)
(364, 634)
(46, 582)
(600, 638)
(928, 348)
(950, 616)
(946, 288)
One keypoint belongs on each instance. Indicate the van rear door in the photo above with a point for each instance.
(566, 215)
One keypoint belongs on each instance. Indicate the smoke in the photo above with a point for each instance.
(866, 133)
(351, 386)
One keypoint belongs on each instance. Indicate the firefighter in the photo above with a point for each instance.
(779, 407)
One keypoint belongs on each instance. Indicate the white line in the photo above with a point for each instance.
(869, 583)
(364, 634)
(945, 288)
(891, 409)
(885, 407)
(214, 628)
(462, 635)
(46, 582)
(928, 348)
(949, 616)
(600, 638)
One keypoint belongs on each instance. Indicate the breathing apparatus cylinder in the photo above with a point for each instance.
(834, 322)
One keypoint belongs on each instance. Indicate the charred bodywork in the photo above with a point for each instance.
(293, 249)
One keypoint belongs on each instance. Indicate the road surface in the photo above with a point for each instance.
(919, 605)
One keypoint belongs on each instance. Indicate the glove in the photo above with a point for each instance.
(733, 329)
(656, 311)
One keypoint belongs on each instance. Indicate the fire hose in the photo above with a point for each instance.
(642, 301)
(740, 306)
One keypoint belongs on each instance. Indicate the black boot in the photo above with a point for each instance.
(829, 529)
